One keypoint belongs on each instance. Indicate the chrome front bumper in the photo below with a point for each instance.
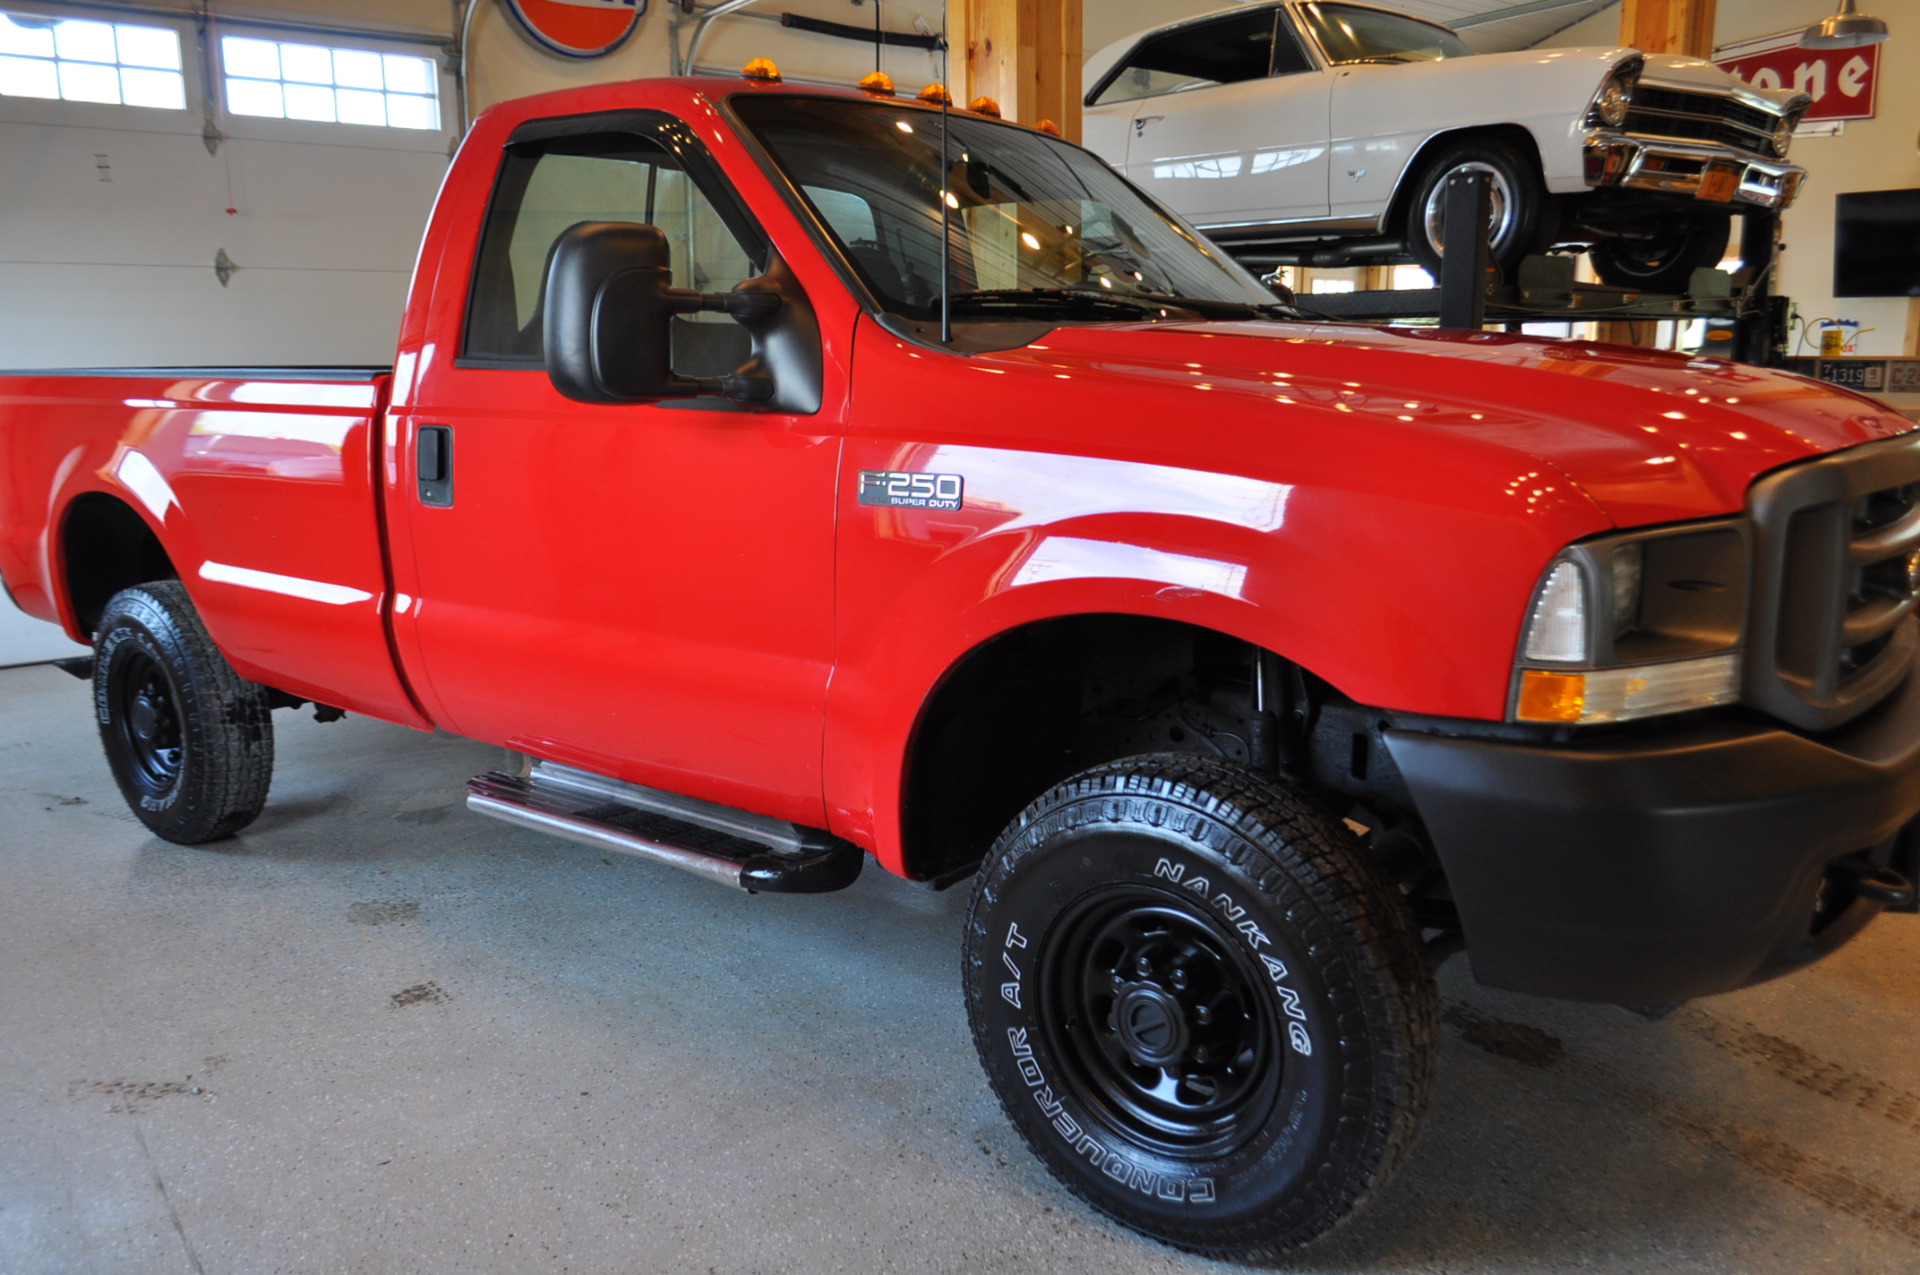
(1680, 168)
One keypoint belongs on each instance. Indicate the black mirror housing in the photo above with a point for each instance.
(608, 320)
(609, 312)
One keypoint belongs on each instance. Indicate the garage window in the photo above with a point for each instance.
(331, 86)
(115, 63)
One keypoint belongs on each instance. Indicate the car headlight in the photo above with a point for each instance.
(1783, 138)
(1635, 625)
(1615, 98)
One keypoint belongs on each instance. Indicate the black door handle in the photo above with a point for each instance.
(433, 461)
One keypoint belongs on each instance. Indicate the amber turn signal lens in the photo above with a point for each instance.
(878, 83)
(1551, 697)
(984, 106)
(935, 95)
(761, 69)
(1048, 126)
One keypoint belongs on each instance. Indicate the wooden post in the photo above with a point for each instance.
(1025, 54)
(1913, 329)
(1668, 26)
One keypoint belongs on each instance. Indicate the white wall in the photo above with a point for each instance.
(111, 218)
(1876, 154)
(329, 217)
(25, 640)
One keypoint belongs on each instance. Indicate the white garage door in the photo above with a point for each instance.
(114, 213)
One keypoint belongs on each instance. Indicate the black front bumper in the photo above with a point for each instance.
(1656, 869)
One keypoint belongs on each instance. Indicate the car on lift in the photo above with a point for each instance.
(1324, 133)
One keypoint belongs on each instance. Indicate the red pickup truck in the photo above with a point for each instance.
(793, 475)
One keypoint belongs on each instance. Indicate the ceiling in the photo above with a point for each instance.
(1491, 25)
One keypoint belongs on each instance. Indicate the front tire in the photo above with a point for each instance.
(190, 743)
(1209, 1015)
(1663, 262)
(1520, 216)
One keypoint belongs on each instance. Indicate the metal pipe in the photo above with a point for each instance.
(725, 871)
(707, 18)
(460, 63)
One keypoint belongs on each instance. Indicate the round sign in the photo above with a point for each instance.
(578, 28)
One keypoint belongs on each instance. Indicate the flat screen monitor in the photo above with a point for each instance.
(1876, 244)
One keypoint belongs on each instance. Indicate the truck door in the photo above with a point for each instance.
(1231, 122)
(642, 590)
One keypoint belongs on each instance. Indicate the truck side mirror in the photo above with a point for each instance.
(609, 319)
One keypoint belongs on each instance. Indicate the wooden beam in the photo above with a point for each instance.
(1025, 54)
(1668, 26)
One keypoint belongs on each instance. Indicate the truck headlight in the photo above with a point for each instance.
(1615, 98)
(1636, 625)
(1783, 138)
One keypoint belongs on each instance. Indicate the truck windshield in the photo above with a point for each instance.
(1036, 226)
(1350, 33)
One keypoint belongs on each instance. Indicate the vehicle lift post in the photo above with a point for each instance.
(1469, 256)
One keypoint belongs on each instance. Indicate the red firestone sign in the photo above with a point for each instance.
(1842, 81)
(577, 28)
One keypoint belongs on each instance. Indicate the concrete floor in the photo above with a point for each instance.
(376, 1033)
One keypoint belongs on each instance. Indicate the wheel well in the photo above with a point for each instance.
(1030, 707)
(1416, 170)
(108, 547)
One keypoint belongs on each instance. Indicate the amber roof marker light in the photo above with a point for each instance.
(1047, 126)
(878, 83)
(984, 106)
(761, 70)
(934, 95)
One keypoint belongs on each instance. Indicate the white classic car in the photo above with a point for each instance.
(1325, 132)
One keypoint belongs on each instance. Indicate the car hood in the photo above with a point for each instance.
(1671, 70)
(1648, 436)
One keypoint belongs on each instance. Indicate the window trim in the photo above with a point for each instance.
(1281, 15)
(660, 128)
(1311, 38)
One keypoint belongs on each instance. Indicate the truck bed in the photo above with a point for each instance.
(261, 482)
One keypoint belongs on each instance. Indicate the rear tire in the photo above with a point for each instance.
(1207, 1012)
(190, 743)
(1664, 262)
(1521, 217)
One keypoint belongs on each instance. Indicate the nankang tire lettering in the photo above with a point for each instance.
(1298, 1037)
(1097, 1154)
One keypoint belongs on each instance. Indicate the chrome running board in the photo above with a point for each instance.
(722, 844)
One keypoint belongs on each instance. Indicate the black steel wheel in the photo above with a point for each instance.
(1663, 262)
(145, 721)
(1161, 1019)
(1206, 1011)
(189, 742)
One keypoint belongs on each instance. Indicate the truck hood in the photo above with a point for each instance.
(1648, 436)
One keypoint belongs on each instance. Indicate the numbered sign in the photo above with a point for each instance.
(578, 28)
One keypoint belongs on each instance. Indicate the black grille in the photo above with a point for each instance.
(1833, 627)
(1701, 117)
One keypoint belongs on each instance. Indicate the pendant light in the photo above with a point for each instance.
(1844, 30)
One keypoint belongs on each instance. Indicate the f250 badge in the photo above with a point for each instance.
(899, 489)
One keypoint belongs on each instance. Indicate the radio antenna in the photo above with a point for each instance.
(946, 196)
